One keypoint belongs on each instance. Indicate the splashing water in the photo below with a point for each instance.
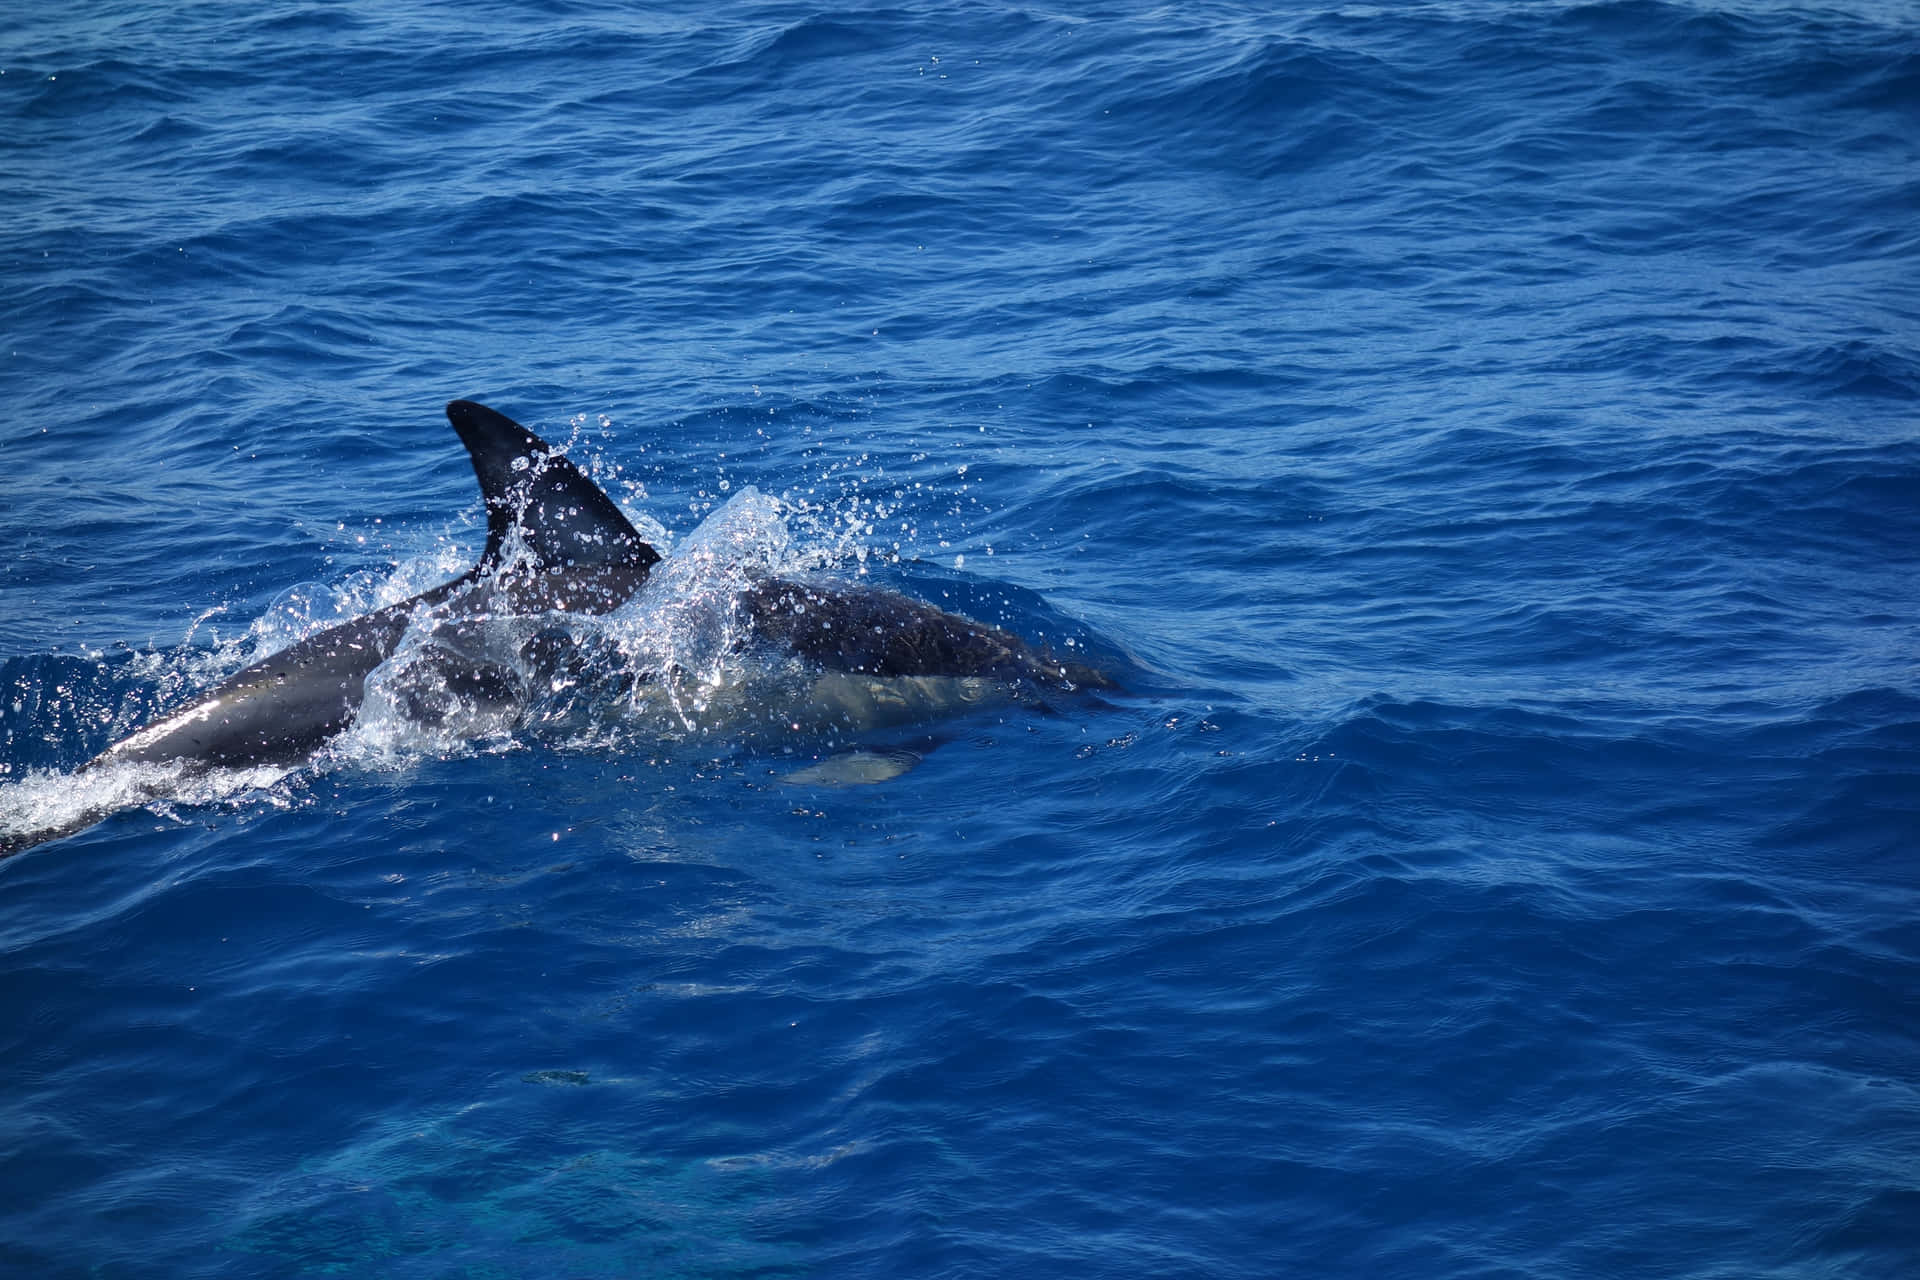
(677, 663)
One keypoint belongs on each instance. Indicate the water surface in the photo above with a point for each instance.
(1482, 434)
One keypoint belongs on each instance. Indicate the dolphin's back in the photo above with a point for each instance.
(277, 710)
(554, 541)
(875, 632)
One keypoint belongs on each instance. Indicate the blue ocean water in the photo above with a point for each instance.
(1483, 439)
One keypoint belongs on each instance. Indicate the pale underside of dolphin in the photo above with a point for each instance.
(556, 544)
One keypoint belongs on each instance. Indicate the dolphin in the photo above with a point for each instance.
(556, 544)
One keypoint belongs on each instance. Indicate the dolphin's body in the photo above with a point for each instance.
(555, 544)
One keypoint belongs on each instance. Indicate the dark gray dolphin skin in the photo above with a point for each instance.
(576, 554)
(555, 544)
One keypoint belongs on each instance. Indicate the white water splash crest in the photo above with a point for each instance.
(669, 664)
(683, 629)
(49, 801)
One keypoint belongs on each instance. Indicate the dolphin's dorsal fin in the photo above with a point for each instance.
(564, 519)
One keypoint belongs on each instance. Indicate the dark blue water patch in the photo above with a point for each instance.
(1866, 766)
(771, 57)
(60, 711)
(1281, 108)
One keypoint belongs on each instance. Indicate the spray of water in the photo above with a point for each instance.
(675, 664)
